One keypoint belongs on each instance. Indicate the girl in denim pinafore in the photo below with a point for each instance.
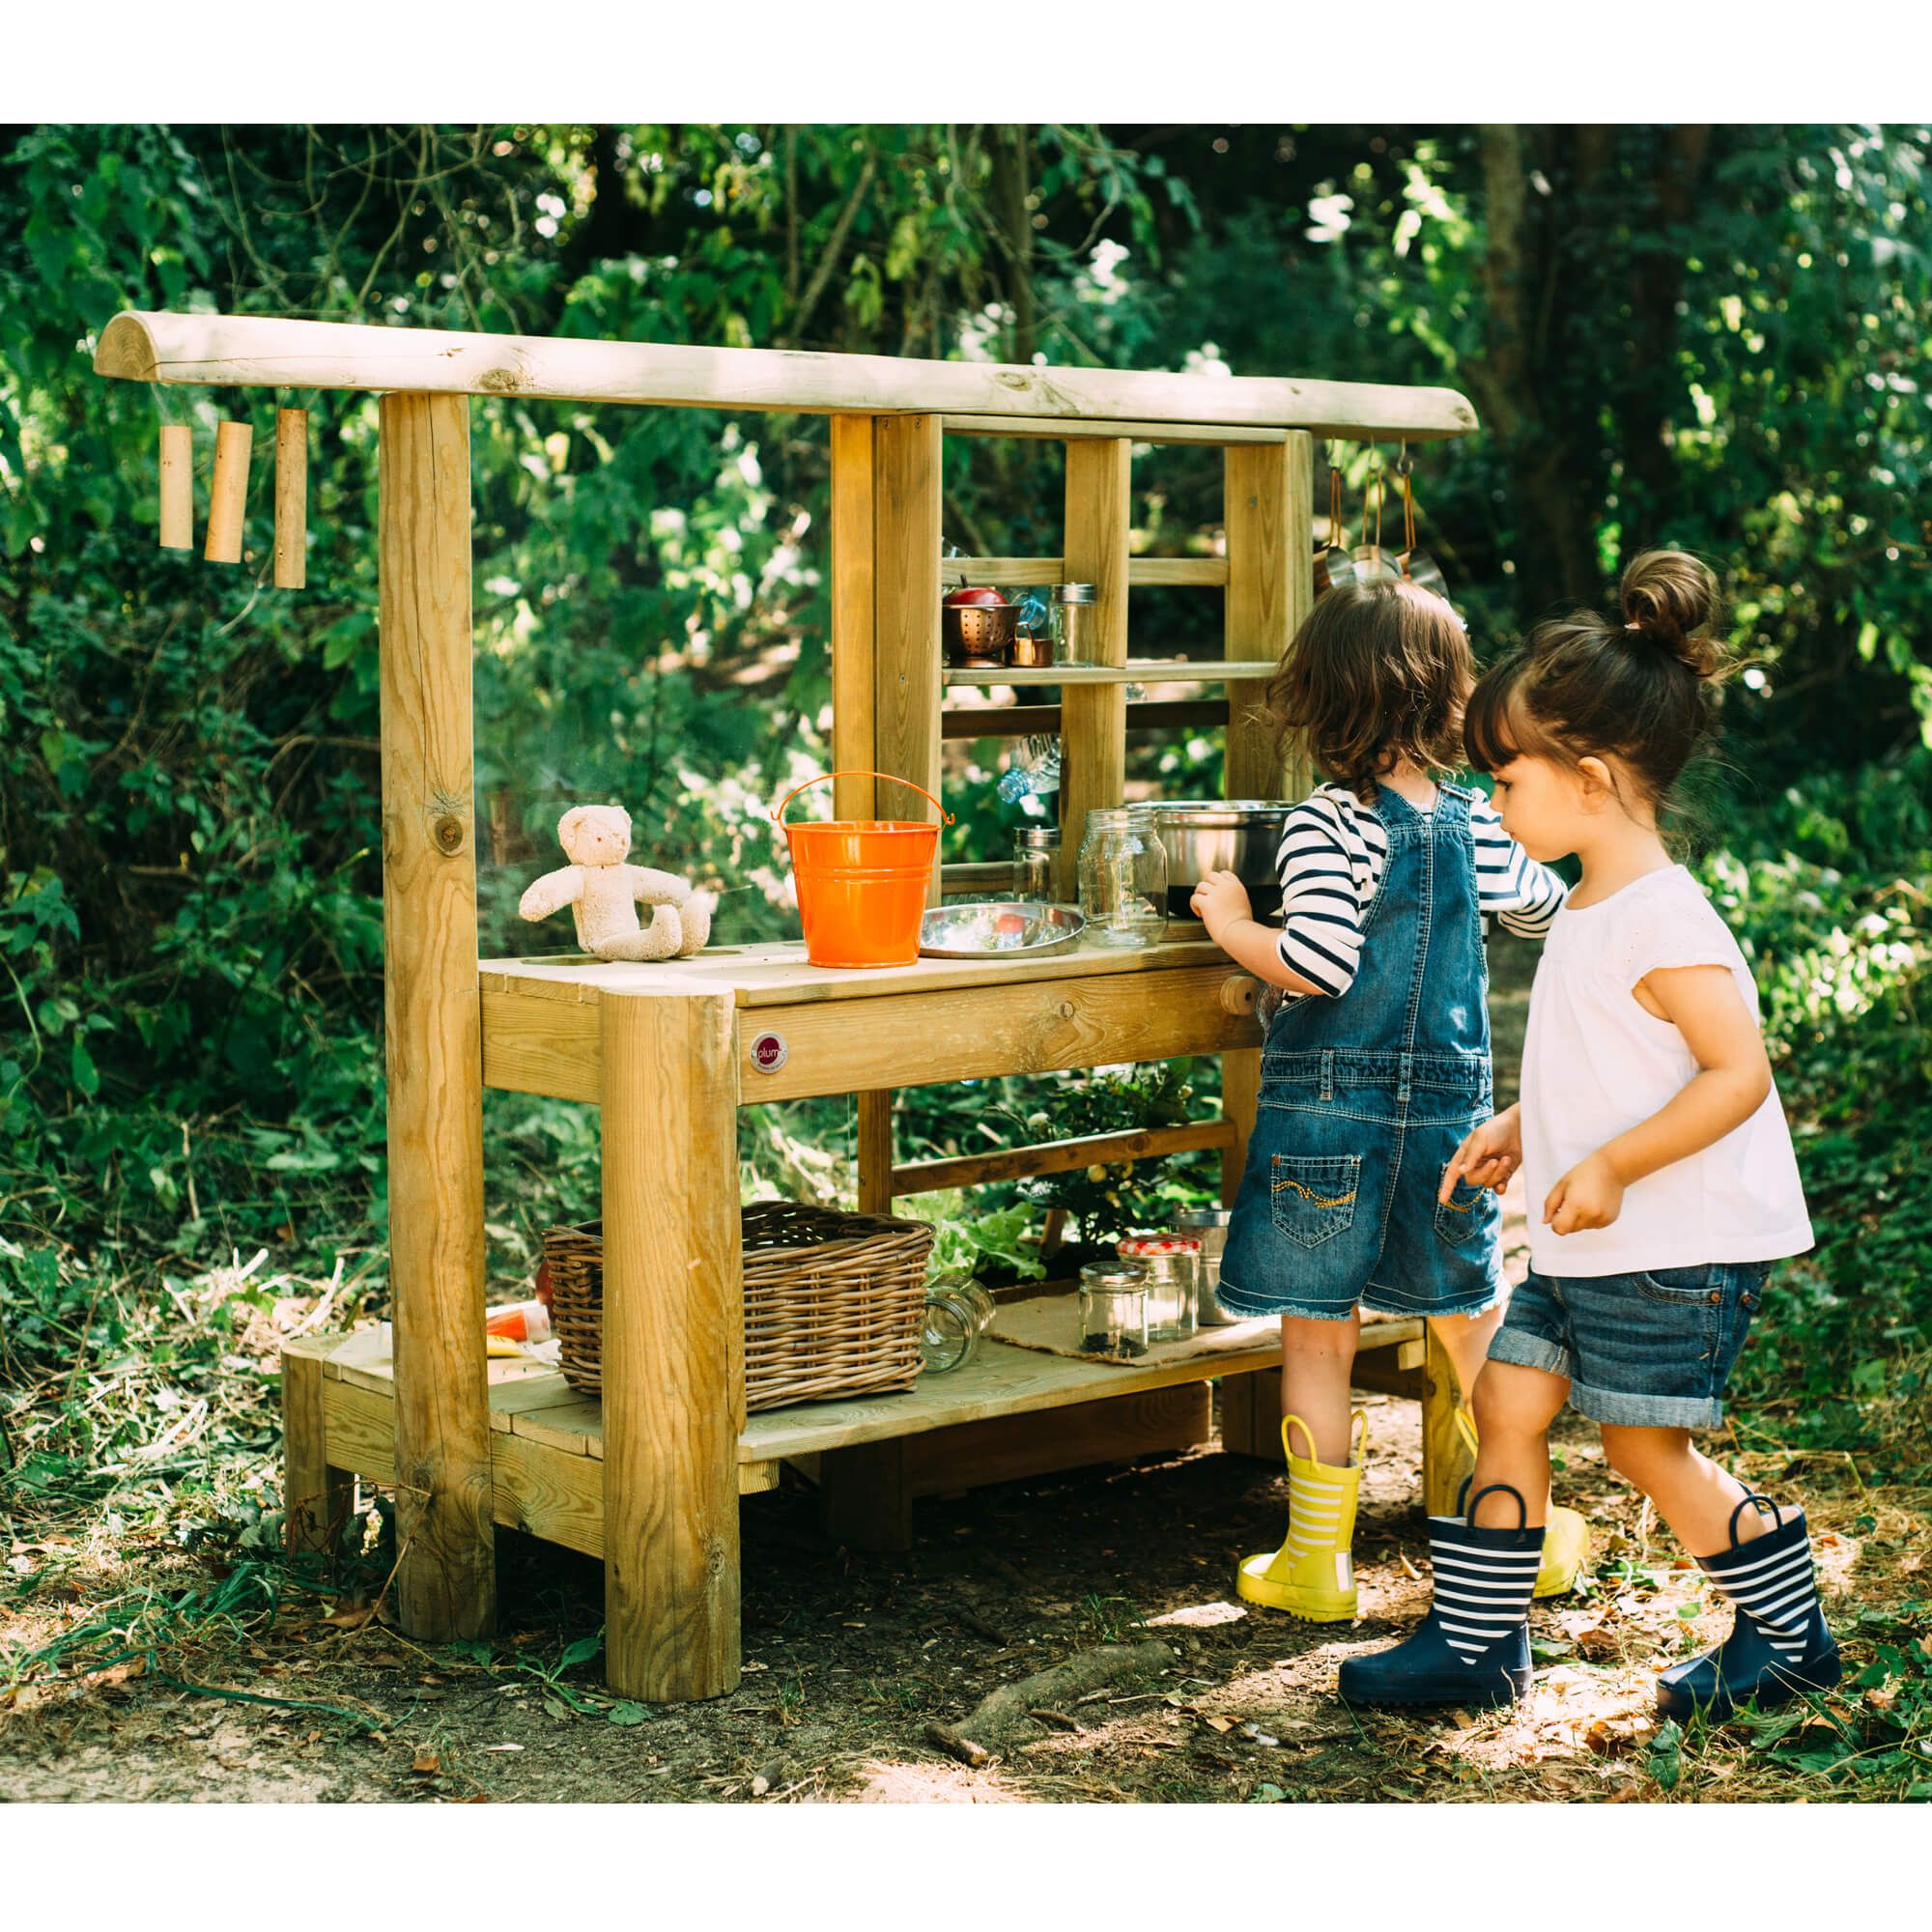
(1376, 1066)
(1365, 1098)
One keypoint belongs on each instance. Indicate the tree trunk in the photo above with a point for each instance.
(1010, 190)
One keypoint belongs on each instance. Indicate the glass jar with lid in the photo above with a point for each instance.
(1173, 1265)
(1036, 856)
(1123, 875)
(1114, 1310)
(1076, 624)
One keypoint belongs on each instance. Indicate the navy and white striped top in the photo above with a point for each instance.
(1330, 860)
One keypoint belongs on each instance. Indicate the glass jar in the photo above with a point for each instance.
(1036, 856)
(1123, 877)
(1076, 624)
(950, 1334)
(1209, 1227)
(961, 1286)
(1173, 1265)
(1114, 1310)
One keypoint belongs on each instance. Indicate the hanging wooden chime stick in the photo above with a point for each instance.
(177, 487)
(291, 498)
(228, 493)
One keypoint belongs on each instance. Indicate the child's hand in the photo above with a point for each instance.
(1219, 901)
(1490, 1154)
(1589, 1196)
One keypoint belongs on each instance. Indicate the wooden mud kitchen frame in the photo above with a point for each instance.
(650, 1480)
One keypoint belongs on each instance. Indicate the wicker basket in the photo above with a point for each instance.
(834, 1303)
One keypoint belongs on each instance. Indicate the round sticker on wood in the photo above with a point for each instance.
(769, 1051)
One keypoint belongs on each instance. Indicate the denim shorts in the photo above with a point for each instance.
(1650, 1351)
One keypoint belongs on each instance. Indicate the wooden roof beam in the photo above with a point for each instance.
(264, 352)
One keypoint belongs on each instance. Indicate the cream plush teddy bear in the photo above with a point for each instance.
(603, 892)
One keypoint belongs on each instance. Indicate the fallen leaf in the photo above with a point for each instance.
(349, 1616)
(1409, 1569)
(1222, 1724)
(427, 1764)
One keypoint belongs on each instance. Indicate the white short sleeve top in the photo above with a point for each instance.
(1595, 1063)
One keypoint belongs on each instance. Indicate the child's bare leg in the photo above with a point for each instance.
(1692, 1493)
(1465, 1338)
(1316, 1358)
(1513, 1407)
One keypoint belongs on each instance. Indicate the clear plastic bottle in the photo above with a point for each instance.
(1123, 875)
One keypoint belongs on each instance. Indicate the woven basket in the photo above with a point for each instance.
(834, 1303)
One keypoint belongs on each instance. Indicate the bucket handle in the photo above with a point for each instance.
(777, 817)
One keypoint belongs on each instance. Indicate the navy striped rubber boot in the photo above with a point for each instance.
(1780, 1645)
(1473, 1646)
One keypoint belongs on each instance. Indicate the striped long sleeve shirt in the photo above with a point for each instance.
(1331, 857)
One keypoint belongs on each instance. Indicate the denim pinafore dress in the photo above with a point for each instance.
(1364, 1100)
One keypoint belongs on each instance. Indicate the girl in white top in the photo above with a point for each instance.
(1659, 1172)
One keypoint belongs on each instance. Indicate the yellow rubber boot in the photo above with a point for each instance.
(1566, 1536)
(1312, 1576)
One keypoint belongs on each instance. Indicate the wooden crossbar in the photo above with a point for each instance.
(976, 1170)
(1019, 571)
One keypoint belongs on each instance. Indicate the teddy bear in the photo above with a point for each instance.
(604, 893)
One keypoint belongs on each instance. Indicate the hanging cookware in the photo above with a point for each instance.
(1333, 562)
(1372, 563)
(1417, 566)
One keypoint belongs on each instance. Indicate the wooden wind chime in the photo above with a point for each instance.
(228, 492)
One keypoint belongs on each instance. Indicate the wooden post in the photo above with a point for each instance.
(1093, 716)
(1270, 591)
(853, 659)
(432, 1020)
(876, 1150)
(315, 1498)
(906, 680)
(865, 1496)
(228, 492)
(291, 498)
(177, 487)
(673, 1343)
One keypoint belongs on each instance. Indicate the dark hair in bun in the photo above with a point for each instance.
(1638, 691)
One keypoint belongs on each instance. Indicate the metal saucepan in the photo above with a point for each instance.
(1222, 835)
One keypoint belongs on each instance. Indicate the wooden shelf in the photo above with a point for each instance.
(1155, 670)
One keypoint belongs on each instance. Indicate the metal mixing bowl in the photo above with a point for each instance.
(971, 930)
(1221, 835)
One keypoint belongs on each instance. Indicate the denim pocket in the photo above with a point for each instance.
(1314, 1195)
(1463, 1213)
(1679, 1285)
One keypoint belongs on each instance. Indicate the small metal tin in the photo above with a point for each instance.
(1030, 650)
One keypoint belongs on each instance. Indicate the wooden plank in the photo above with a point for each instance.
(1011, 1448)
(243, 351)
(228, 492)
(541, 1046)
(853, 669)
(432, 1026)
(1256, 512)
(875, 1151)
(1095, 718)
(922, 1038)
(976, 1170)
(1240, 1094)
(906, 513)
(754, 1478)
(673, 1345)
(977, 878)
(1000, 571)
(316, 1499)
(1097, 426)
(176, 528)
(290, 499)
(1004, 1381)
(1207, 571)
(575, 1427)
(1141, 670)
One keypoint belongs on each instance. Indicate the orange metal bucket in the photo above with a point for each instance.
(862, 882)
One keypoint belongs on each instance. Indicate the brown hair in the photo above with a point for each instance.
(1380, 672)
(1586, 686)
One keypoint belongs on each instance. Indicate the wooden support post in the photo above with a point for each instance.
(1094, 756)
(315, 1498)
(853, 669)
(1250, 1415)
(865, 1496)
(177, 487)
(673, 1343)
(228, 492)
(432, 1022)
(1270, 591)
(1445, 1453)
(905, 603)
(876, 1150)
(290, 499)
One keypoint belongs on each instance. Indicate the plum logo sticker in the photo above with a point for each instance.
(769, 1051)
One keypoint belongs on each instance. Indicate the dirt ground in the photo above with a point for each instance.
(849, 1658)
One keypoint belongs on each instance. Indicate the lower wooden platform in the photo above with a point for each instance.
(1009, 1413)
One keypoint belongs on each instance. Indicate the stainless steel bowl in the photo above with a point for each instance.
(1221, 835)
(974, 930)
